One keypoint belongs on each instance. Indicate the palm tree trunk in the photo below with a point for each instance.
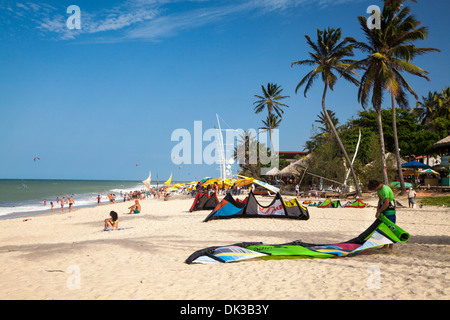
(341, 145)
(381, 137)
(271, 143)
(397, 150)
(270, 133)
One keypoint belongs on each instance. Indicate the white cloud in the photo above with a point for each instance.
(171, 24)
(147, 19)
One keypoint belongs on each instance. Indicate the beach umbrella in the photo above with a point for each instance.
(415, 165)
(227, 183)
(428, 171)
(243, 182)
(210, 181)
(289, 171)
(273, 172)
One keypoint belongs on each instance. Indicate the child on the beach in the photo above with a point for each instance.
(113, 222)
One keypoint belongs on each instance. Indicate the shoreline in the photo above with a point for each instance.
(38, 190)
(48, 212)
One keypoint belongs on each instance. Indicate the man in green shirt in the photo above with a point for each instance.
(386, 200)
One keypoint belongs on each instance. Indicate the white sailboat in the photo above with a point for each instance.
(147, 181)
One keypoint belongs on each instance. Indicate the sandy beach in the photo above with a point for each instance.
(68, 256)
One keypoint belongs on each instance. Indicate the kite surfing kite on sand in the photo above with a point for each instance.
(379, 233)
(251, 208)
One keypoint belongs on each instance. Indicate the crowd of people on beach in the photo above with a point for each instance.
(70, 201)
(125, 196)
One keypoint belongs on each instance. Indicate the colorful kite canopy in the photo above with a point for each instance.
(329, 204)
(380, 233)
(250, 207)
(356, 204)
(203, 201)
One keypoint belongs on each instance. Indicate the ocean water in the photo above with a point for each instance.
(27, 196)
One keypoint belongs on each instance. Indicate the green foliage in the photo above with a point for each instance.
(326, 161)
(414, 138)
(371, 170)
(435, 201)
(270, 100)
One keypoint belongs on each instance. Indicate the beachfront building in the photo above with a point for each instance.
(442, 147)
(292, 156)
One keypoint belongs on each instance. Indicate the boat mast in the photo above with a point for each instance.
(221, 150)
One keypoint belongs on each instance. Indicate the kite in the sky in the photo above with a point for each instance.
(36, 158)
(137, 163)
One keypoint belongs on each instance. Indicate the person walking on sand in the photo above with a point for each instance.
(136, 208)
(411, 197)
(63, 200)
(71, 203)
(386, 201)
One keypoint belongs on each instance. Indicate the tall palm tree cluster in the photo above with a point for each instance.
(389, 54)
(433, 107)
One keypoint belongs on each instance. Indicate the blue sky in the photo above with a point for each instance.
(92, 103)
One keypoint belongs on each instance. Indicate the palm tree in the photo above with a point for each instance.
(435, 105)
(271, 100)
(426, 108)
(390, 51)
(272, 122)
(246, 154)
(329, 54)
(443, 103)
(323, 121)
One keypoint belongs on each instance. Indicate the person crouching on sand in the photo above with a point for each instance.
(386, 201)
(136, 208)
(113, 222)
